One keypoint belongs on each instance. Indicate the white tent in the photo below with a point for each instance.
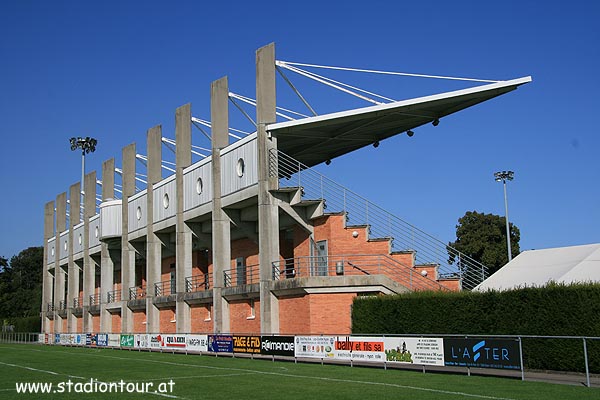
(538, 267)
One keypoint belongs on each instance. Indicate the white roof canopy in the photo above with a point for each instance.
(314, 140)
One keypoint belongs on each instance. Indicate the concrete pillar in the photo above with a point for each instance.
(106, 263)
(73, 269)
(154, 245)
(127, 250)
(59, 274)
(47, 278)
(183, 238)
(89, 265)
(221, 225)
(268, 213)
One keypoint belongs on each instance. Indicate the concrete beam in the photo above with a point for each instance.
(127, 250)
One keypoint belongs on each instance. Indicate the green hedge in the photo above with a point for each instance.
(554, 310)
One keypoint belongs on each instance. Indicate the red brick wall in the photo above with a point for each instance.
(116, 323)
(95, 323)
(330, 313)
(139, 319)
(294, 315)
(240, 320)
(166, 316)
(64, 325)
(78, 324)
(51, 326)
(201, 319)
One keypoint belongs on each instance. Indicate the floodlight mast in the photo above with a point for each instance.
(503, 176)
(87, 145)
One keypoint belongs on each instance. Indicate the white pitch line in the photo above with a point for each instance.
(30, 368)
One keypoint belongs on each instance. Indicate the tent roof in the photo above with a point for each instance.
(314, 140)
(538, 267)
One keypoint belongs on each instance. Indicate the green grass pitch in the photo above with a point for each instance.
(209, 377)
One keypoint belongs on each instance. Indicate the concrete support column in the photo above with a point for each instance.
(73, 269)
(127, 250)
(268, 212)
(47, 279)
(221, 225)
(154, 245)
(89, 265)
(106, 263)
(59, 273)
(183, 238)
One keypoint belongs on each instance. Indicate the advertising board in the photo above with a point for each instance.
(482, 353)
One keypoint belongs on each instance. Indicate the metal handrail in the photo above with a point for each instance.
(62, 305)
(77, 302)
(50, 307)
(247, 275)
(113, 296)
(197, 283)
(354, 264)
(164, 288)
(137, 292)
(95, 299)
(380, 223)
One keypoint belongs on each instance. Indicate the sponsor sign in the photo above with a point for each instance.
(57, 338)
(482, 353)
(127, 340)
(140, 341)
(174, 341)
(359, 348)
(114, 339)
(246, 344)
(155, 341)
(88, 339)
(314, 346)
(65, 338)
(197, 342)
(277, 345)
(101, 340)
(414, 350)
(220, 343)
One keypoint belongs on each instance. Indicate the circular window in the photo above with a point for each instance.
(199, 186)
(166, 201)
(79, 239)
(52, 252)
(138, 213)
(96, 232)
(240, 168)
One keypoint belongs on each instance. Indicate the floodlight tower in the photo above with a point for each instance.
(87, 145)
(503, 176)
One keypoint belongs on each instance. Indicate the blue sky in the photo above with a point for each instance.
(114, 69)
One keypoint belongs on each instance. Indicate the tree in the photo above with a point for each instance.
(21, 284)
(483, 238)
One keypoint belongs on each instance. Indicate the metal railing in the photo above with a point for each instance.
(62, 305)
(380, 223)
(95, 299)
(137, 292)
(198, 283)
(77, 302)
(49, 307)
(354, 264)
(243, 275)
(113, 296)
(164, 288)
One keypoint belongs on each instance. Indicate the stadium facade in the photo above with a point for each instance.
(245, 240)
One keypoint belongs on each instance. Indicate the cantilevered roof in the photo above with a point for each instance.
(314, 140)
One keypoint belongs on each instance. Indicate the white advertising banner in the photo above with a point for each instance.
(314, 346)
(359, 348)
(414, 350)
(114, 340)
(197, 342)
(155, 341)
(140, 341)
(174, 341)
